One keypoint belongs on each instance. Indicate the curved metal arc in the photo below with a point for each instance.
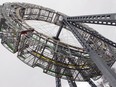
(56, 20)
(72, 66)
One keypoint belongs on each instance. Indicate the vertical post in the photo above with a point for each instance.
(71, 82)
(2, 23)
(57, 77)
(0, 11)
(22, 12)
(58, 81)
(58, 33)
(0, 35)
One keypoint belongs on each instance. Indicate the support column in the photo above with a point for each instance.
(0, 35)
(58, 82)
(2, 22)
(71, 82)
(91, 83)
(0, 11)
(58, 33)
(57, 69)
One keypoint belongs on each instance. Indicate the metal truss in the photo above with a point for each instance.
(61, 60)
(102, 19)
(99, 48)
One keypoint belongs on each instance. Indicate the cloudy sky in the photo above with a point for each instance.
(14, 73)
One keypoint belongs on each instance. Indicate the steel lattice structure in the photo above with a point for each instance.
(61, 60)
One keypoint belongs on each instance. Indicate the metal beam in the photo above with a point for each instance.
(71, 82)
(92, 32)
(58, 82)
(91, 82)
(102, 19)
(82, 73)
(0, 35)
(2, 23)
(58, 33)
(0, 10)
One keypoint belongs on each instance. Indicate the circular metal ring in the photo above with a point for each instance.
(37, 49)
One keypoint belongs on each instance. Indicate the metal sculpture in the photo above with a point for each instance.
(61, 60)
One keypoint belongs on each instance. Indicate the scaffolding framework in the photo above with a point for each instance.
(61, 60)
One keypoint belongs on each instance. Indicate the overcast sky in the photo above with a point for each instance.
(14, 73)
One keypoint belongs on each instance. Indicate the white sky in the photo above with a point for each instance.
(15, 73)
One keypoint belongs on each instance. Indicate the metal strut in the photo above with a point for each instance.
(57, 76)
(58, 33)
(94, 33)
(58, 82)
(102, 19)
(71, 82)
(83, 75)
(101, 64)
(91, 82)
(2, 23)
(0, 35)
